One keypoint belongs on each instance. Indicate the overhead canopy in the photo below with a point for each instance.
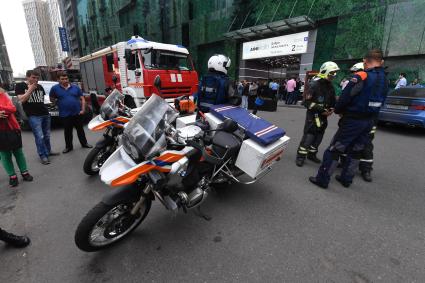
(273, 28)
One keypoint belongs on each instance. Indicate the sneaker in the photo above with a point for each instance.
(45, 161)
(317, 183)
(13, 181)
(367, 176)
(314, 159)
(342, 182)
(14, 240)
(27, 177)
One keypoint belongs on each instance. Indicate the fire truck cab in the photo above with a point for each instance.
(132, 66)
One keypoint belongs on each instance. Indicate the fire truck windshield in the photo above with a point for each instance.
(166, 60)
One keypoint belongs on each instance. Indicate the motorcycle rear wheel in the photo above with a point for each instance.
(108, 224)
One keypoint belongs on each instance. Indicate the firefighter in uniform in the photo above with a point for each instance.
(215, 87)
(359, 105)
(320, 102)
(366, 160)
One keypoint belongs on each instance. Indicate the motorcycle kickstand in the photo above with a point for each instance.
(199, 213)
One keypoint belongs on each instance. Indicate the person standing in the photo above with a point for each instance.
(275, 88)
(262, 92)
(359, 106)
(215, 87)
(320, 102)
(290, 89)
(11, 141)
(245, 95)
(71, 105)
(401, 82)
(31, 95)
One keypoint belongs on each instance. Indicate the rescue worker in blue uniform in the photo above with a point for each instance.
(359, 105)
(319, 102)
(215, 87)
(366, 160)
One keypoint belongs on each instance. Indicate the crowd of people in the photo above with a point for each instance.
(71, 104)
(289, 90)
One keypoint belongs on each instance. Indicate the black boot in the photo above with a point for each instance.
(339, 179)
(314, 158)
(300, 162)
(367, 176)
(317, 183)
(14, 240)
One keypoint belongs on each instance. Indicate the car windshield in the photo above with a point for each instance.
(111, 105)
(144, 135)
(167, 60)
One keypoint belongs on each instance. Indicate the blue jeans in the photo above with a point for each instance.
(40, 126)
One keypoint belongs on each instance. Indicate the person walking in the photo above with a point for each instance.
(359, 106)
(71, 105)
(11, 141)
(31, 95)
(320, 101)
(14, 240)
(290, 89)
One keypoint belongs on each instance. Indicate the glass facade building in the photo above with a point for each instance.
(340, 30)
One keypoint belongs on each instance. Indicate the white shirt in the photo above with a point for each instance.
(401, 83)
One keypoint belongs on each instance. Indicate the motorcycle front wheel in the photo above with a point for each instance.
(105, 225)
(95, 159)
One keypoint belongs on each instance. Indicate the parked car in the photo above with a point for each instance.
(405, 106)
(53, 108)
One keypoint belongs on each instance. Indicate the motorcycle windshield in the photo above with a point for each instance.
(144, 135)
(111, 105)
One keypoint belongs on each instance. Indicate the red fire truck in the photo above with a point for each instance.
(132, 66)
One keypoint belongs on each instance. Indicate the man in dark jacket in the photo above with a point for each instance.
(359, 106)
(215, 87)
(320, 102)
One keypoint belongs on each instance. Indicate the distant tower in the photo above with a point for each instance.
(6, 73)
(43, 32)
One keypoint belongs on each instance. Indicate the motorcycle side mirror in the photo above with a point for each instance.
(229, 126)
(157, 82)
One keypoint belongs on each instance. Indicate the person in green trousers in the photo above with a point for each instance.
(11, 141)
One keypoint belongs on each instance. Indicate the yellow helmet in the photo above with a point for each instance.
(357, 67)
(328, 69)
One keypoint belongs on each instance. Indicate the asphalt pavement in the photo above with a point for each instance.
(281, 229)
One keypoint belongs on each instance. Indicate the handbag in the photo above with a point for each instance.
(10, 139)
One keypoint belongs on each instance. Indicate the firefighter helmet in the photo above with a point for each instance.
(219, 63)
(328, 69)
(357, 67)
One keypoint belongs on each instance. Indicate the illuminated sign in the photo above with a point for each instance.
(277, 46)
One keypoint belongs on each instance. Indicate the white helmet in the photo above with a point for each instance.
(219, 63)
(328, 69)
(357, 67)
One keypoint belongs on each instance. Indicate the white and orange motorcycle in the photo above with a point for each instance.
(176, 167)
(112, 118)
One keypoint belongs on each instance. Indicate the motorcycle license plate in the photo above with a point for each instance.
(397, 107)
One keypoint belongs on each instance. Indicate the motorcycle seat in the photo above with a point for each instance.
(223, 142)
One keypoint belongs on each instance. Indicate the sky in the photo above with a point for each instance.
(15, 32)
